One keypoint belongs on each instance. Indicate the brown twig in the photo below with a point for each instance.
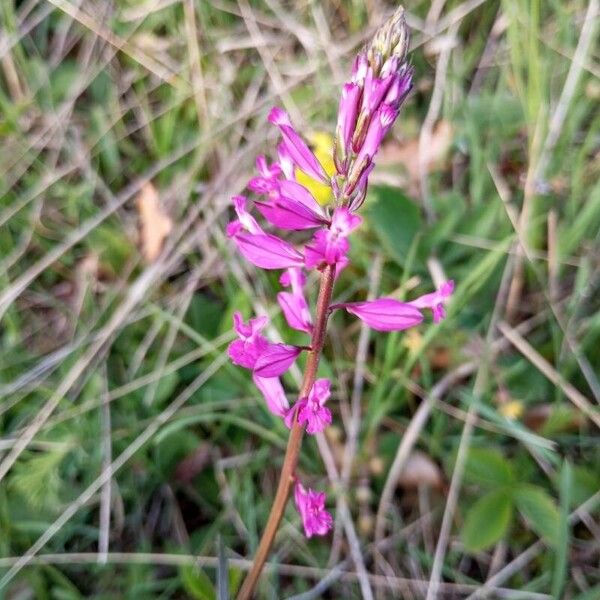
(286, 478)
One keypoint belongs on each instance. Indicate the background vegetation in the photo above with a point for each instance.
(130, 446)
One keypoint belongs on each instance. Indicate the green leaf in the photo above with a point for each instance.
(586, 482)
(539, 510)
(197, 583)
(488, 467)
(395, 219)
(487, 520)
(561, 559)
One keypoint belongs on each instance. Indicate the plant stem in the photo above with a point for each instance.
(286, 478)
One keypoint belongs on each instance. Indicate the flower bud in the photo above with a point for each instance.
(390, 40)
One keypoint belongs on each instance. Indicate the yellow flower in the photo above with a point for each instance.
(322, 146)
(512, 409)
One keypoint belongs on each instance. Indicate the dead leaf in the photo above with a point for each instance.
(407, 153)
(155, 223)
(420, 470)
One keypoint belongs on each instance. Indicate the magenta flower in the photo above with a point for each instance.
(388, 314)
(287, 213)
(312, 410)
(435, 301)
(329, 246)
(261, 249)
(268, 176)
(267, 251)
(245, 221)
(347, 113)
(246, 352)
(251, 344)
(384, 314)
(293, 304)
(381, 122)
(276, 359)
(311, 506)
(296, 147)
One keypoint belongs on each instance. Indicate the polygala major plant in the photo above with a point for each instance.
(370, 102)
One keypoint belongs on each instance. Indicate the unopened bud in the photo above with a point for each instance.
(390, 40)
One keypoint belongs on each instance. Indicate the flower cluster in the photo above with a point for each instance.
(370, 103)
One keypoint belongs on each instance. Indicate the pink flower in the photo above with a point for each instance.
(276, 359)
(261, 249)
(374, 91)
(286, 213)
(347, 114)
(312, 410)
(388, 314)
(400, 87)
(435, 301)
(296, 147)
(311, 506)
(251, 344)
(273, 393)
(268, 176)
(359, 69)
(293, 304)
(382, 120)
(246, 352)
(329, 246)
(267, 251)
(385, 314)
(244, 219)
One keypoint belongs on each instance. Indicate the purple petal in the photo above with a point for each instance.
(320, 392)
(435, 301)
(288, 214)
(317, 418)
(286, 162)
(343, 222)
(254, 326)
(385, 314)
(295, 191)
(294, 278)
(295, 310)
(276, 359)
(380, 124)
(268, 251)
(311, 507)
(347, 114)
(297, 148)
(273, 393)
(245, 218)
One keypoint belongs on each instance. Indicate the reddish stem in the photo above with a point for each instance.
(286, 478)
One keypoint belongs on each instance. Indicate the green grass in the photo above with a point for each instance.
(106, 358)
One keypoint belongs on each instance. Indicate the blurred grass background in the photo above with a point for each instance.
(464, 459)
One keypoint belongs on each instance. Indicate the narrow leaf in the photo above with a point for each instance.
(222, 575)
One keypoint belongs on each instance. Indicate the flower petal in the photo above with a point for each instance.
(311, 507)
(274, 395)
(268, 251)
(276, 359)
(288, 214)
(385, 314)
(296, 312)
(296, 147)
